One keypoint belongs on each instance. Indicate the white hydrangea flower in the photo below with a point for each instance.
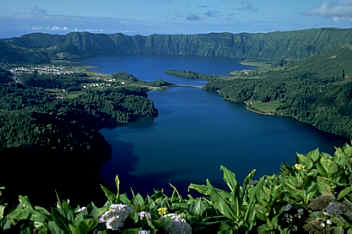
(115, 217)
(114, 223)
(144, 214)
(177, 225)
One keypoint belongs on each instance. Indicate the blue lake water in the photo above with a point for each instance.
(197, 131)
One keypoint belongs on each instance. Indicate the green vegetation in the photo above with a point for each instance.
(274, 46)
(126, 79)
(49, 129)
(316, 90)
(59, 117)
(263, 107)
(313, 196)
(35, 111)
(191, 75)
(257, 64)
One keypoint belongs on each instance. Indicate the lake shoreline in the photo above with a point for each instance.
(253, 110)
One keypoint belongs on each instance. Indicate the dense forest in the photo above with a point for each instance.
(43, 48)
(316, 90)
(57, 122)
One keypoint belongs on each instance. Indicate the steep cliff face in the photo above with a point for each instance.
(271, 46)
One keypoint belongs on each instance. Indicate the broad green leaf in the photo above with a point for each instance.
(42, 210)
(91, 223)
(314, 155)
(251, 211)
(324, 186)
(38, 217)
(248, 178)
(329, 166)
(124, 199)
(83, 226)
(225, 228)
(197, 208)
(18, 214)
(259, 188)
(220, 203)
(203, 189)
(344, 192)
(54, 228)
(229, 178)
(24, 201)
(108, 194)
(305, 161)
(138, 202)
(59, 220)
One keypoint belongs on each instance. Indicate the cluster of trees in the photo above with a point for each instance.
(52, 81)
(316, 90)
(30, 114)
(191, 75)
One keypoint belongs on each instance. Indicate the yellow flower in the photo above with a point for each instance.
(299, 167)
(162, 211)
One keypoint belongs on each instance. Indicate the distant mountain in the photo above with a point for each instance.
(40, 47)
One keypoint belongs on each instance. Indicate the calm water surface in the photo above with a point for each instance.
(197, 131)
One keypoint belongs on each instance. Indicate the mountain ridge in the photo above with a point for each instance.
(260, 46)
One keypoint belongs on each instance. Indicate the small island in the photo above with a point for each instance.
(191, 75)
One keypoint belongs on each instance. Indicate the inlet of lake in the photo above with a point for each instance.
(197, 131)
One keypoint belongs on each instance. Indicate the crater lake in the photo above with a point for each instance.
(197, 131)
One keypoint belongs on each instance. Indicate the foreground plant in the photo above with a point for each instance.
(2, 209)
(237, 207)
(313, 196)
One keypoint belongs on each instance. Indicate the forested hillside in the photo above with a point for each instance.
(316, 90)
(263, 46)
(49, 131)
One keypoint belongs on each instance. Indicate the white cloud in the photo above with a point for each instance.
(341, 10)
(58, 28)
(51, 28)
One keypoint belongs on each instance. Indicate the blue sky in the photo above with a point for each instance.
(170, 16)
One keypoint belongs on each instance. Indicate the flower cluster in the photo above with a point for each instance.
(115, 217)
(162, 211)
(299, 167)
(177, 224)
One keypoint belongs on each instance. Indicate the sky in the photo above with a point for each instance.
(147, 17)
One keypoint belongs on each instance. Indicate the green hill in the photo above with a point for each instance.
(316, 90)
(262, 46)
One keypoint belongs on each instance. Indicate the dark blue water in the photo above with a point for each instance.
(197, 131)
